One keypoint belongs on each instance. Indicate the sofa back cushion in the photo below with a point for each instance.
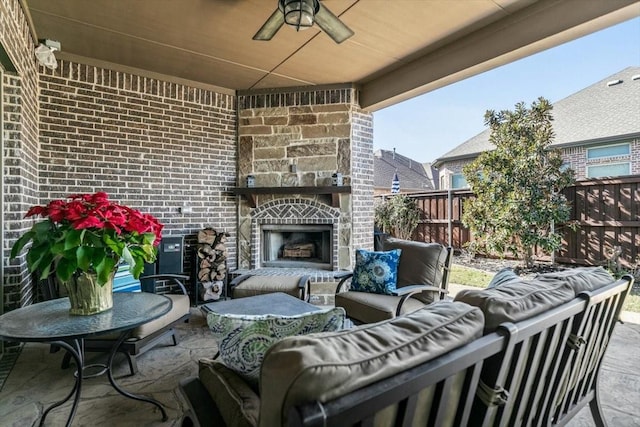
(516, 300)
(420, 263)
(320, 367)
(244, 339)
(581, 279)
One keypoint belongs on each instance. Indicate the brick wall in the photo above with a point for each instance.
(321, 132)
(19, 147)
(150, 144)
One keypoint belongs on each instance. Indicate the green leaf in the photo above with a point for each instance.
(21, 242)
(104, 270)
(36, 255)
(148, 238)
(126, 255)
(73, 239)
(83, 256)
(136, 268)
(65, 269)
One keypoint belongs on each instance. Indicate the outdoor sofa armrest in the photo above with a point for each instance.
(407, 291)
(343, 276)
(174, 279)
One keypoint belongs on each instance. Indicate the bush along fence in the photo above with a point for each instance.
(606, 212)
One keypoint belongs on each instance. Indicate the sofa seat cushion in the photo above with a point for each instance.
(517, 299)
(259, 285)
(180, 307)
(327, 365)
(243, 339)
(238, 404)
(370, 308)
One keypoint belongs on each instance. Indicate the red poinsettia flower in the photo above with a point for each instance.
(90, 226)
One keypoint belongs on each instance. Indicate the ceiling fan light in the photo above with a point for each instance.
(299, 13)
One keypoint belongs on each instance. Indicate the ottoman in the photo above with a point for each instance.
(249, 285)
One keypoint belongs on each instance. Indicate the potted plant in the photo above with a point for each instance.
(80, 242)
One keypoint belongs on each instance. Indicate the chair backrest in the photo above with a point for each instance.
(422, 263)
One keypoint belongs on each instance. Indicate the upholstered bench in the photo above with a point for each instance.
(249, 285)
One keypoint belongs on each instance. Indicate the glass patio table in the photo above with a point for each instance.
(51, 322)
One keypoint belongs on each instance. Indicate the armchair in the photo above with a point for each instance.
(423, 277)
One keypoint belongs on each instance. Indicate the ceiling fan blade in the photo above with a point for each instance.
(331, 25)
(271, 26)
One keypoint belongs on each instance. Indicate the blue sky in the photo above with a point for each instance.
(428, 126)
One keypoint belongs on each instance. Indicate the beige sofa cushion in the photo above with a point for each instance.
(581, 279)
(366, 307)
(517, 300)
(180, 308)
(420, 263)
(237, 402)
(327, 365)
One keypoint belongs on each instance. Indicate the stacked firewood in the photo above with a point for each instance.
(212, 266)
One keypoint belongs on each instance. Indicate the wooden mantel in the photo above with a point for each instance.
(252, 193)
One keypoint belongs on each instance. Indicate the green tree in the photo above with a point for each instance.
(518, 185)
(398, 215)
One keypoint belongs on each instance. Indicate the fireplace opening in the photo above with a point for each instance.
(302, 246)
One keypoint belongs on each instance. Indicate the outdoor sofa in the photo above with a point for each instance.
(526, 352)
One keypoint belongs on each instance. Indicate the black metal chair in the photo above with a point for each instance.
(146, 336)
(423, 277)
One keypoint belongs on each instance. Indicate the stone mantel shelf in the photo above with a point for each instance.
(252, 192)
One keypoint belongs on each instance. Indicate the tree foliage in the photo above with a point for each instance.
(398, 215)
(518, 185)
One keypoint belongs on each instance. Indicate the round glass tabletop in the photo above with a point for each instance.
(51, 321)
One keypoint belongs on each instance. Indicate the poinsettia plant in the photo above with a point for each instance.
(89, 233)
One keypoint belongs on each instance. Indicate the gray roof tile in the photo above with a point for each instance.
(595, 113)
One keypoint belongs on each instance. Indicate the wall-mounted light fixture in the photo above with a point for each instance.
(44, 53)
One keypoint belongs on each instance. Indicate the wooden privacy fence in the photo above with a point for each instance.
(606, 211)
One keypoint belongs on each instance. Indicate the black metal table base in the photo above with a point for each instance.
(76, 350)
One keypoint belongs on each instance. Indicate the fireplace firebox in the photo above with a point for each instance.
(297, 246)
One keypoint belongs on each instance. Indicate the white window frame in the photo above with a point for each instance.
(599, 147)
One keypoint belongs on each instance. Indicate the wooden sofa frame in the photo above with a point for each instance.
(539, 371)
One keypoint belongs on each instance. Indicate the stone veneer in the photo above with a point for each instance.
(298, 138)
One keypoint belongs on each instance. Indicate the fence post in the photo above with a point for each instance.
(449, 218)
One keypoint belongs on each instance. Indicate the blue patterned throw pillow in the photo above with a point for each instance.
(244, 339)
(376, 272)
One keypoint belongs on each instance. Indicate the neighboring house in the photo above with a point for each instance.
(413, 176)
(597, 130)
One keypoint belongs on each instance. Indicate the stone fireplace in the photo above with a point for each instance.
(292, 143)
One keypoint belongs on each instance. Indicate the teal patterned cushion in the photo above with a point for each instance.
(243, 340)
(376, 272)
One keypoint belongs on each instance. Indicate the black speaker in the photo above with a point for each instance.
(170, 258)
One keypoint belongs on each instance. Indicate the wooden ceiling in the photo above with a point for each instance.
(401, 48)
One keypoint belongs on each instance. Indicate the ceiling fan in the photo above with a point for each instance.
(301, 14)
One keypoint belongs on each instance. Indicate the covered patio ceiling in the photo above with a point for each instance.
(401, 48)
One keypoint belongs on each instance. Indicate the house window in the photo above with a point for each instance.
(599, 153)
(609, 169)
(599, 160)
(458, 181)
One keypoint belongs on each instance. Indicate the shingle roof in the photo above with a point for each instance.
(599, 112)
(411, 173)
